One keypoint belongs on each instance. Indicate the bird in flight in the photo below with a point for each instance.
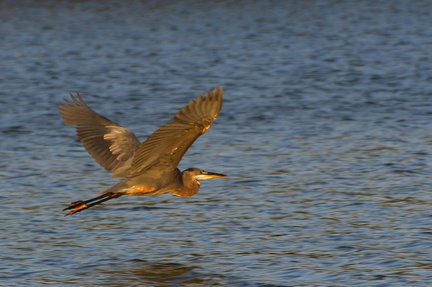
(148, 168)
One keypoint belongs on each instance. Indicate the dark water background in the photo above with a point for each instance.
(325, 134)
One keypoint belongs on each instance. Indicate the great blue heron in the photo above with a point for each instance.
(149, 168)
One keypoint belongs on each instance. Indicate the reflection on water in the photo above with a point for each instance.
(163, 271)
(325, 136)
(139, 272)
(154, 274)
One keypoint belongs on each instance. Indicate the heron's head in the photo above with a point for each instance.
(200, 174)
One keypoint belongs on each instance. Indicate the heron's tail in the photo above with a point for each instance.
(80, 205)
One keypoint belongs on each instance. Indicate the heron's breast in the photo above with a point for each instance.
(142, 190)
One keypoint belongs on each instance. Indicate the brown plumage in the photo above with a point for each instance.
(149, 168)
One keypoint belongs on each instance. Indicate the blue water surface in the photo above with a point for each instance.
(325, 134)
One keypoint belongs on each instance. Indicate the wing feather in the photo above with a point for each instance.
(167, 146)
(110, 144)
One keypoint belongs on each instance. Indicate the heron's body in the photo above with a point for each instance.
(149, 168)
(154, 182)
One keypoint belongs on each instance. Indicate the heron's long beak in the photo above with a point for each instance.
(207, 175)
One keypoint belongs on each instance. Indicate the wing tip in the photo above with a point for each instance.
(218, 92)
(208, 100)
(74, 101)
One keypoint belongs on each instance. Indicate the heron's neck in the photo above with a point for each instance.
(187, 186)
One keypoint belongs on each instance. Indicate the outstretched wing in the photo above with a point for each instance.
(110, 144)
(166, 146)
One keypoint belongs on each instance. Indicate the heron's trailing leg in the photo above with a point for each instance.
(80, 205)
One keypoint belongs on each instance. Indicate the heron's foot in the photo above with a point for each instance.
(76, 206)
(80, 205)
